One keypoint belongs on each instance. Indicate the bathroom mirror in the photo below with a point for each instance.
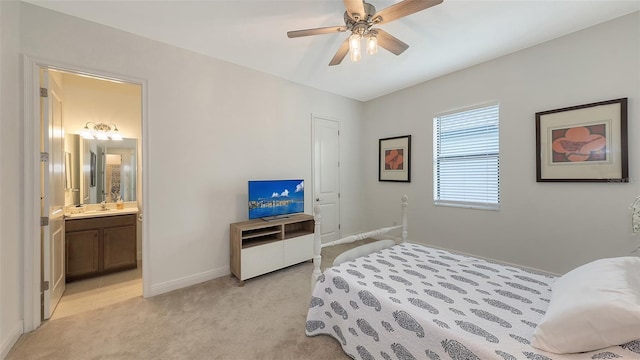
(108, 170)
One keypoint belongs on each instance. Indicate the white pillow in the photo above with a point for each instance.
(593, 306)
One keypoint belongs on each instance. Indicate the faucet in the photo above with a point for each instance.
(103, 205)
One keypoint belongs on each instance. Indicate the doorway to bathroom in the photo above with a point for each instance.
(83, 100)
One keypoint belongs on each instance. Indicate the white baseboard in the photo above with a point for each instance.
(11, 339)
(188, 281)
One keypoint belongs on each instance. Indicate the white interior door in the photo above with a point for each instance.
(326, 175)
(52, 193)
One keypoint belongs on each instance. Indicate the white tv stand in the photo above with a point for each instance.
(259, 247)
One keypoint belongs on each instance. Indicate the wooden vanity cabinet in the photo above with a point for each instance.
(119, 247)
(82, 251)
(100, 245)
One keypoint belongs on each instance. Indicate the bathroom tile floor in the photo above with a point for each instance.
(98, 292)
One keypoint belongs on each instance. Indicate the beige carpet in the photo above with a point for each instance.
(264, 319)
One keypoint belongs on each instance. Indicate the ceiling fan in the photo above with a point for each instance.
(360, 19)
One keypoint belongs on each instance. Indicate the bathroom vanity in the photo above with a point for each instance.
(100, 242)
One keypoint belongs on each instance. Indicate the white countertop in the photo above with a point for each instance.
(101, 213)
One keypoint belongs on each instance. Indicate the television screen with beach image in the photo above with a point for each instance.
(270, 199)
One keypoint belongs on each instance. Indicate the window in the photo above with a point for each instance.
(466, 164)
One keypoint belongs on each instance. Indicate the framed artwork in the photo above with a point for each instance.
(584, 143)
(394, 159)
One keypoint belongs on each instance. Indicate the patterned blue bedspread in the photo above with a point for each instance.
(415, 302)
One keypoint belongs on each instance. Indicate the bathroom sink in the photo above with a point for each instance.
(97, 211)
(100, 212)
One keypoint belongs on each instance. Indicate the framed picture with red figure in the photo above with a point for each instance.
(394, 159)
(584, 143)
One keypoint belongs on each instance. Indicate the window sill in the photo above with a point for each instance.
(494, 207)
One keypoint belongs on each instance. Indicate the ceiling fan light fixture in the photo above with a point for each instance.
(355, 53)
(354, 42)
(359, 18)
(372, 44)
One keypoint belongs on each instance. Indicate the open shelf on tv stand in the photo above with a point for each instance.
(259, 246)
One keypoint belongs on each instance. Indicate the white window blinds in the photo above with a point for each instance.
(466, 164)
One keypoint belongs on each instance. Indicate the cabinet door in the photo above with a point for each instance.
(119, 247)
(298, 249)
(258, 260)
(82, 253)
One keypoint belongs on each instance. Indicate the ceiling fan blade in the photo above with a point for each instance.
(355, 9)
(316, 31)
(390, 42)
(402, 9)
(341, 53)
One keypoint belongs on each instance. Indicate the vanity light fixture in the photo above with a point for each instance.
(101, 131)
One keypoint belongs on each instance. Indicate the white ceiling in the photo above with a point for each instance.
(252, 33)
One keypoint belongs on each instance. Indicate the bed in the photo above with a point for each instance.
(411, 301)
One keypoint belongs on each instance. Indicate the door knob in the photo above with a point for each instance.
(317, 199)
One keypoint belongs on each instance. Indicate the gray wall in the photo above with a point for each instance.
(550, 226)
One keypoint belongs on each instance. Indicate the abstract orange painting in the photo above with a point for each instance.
(583, 143)
(394, 159)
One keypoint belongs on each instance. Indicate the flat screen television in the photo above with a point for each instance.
(272, 199)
